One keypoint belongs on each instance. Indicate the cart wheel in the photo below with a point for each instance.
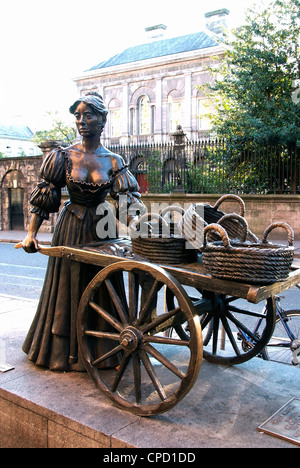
(154, 372)
(234, 331)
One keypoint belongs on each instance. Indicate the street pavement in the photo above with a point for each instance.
(224, 408)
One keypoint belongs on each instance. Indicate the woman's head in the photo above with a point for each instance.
(95, 101)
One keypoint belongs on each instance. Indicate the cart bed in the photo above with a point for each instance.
(189, 274)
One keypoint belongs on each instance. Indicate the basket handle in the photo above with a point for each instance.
(147, 216)
(234, 197)
(239, 218)
(173, 208)
(283, 225)
(218, 228)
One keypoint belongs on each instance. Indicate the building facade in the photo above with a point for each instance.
(152, 88)
(149, 89)
(16, 140)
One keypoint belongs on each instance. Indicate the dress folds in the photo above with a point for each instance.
(51, 341)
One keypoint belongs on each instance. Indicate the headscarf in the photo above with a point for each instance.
(94, 100)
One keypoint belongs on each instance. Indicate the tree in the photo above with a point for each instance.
(58, 131)
(255, 84)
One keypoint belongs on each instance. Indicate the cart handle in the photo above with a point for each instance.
(55, 251)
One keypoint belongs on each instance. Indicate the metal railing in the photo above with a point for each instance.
(215, 166)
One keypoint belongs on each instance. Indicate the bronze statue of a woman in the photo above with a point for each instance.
(90, 172)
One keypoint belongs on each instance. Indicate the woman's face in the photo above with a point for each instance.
(88, 122)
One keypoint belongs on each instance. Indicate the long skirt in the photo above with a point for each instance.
(51, 341)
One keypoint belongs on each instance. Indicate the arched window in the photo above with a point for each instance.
(174, 114)
(144, 110)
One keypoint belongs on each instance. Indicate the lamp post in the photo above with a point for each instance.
(179, 158)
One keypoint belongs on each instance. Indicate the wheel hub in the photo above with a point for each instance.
(130, 339)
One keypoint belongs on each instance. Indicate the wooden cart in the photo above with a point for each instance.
(165, 319)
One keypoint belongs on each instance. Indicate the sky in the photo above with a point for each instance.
(46, 44)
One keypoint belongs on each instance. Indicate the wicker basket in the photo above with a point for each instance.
(232, 225)
(191, 227)
(262, 263)
(212, 214)
(199, 215)
(157, 243)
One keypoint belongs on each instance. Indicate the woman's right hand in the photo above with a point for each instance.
(30, 244)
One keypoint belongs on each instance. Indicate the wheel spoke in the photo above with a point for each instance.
(106, 316)
(230, 335)
(151, 372)
(133, 287)
(215, 335)
(100, 334)
(146, 309)
(280, 342)
(204, 322)
(117, 301)
(107, 355)
(120, 373)
(163, 360)
(160, 319)
(137, 377)
(246, 312)
(242, 327)
(165, 340)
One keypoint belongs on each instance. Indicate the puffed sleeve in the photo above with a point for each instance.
(125, 184)
(46, 197)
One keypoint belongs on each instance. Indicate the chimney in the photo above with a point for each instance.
(216, 21)
(155, 33)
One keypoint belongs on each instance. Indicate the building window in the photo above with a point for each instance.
(204, 110)
(115, 123)
(174, 114)
(144, 116)
(114, 119)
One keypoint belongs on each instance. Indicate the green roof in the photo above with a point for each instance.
(15, 132)
(160, 48)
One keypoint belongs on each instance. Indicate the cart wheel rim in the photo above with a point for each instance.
(156, 378)
(232, 332)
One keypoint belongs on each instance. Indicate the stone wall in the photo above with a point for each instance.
(22, 173)
(261, 210)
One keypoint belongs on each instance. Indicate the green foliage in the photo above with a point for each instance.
(229, 167)
(58, 131)
(154, 171)
(254, 85)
